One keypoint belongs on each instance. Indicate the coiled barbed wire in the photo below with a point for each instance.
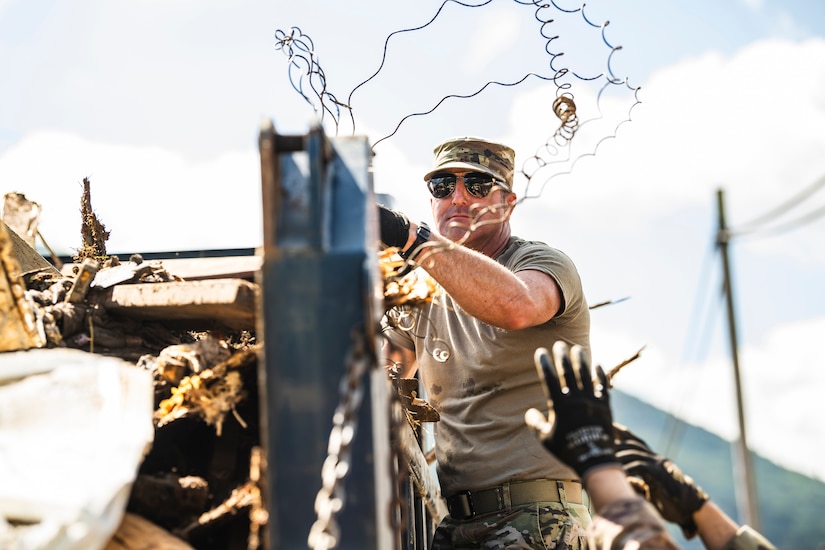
(555, 152)
(565, 110)
(304, 66)
(548, 154)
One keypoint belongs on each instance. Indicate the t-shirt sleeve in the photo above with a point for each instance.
(555, 263)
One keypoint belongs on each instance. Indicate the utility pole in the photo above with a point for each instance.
(745, 486)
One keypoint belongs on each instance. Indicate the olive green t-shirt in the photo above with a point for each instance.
(482, 379)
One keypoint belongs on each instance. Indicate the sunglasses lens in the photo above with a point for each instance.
(442, 185)
(478, 185)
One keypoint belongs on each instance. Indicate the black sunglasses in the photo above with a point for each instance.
(476, 183)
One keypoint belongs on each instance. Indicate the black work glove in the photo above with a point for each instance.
(395, 227)
(581, 434)
(672, 492)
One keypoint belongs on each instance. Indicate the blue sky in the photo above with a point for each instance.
(159, 102)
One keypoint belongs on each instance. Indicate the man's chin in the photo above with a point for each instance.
(457, 230)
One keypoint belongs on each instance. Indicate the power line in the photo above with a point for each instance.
(703, 316)
(787, 226)
(703, 321)
(698, 332)
(756, 224)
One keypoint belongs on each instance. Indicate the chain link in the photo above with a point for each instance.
(325, 532)
(398, 509)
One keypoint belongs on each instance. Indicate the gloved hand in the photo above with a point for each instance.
(581, 434)
(395, 227)
(672, 492)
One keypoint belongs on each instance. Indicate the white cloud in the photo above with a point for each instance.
(494, 35)
(708, 122)
(5, 4)
(639, 216)
(150, 199)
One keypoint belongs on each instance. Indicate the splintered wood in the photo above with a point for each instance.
(137, 533)
(208, 392)
(228, 302)
(92, 230)
(18, 326)
(22, 216)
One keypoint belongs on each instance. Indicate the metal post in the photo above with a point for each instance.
(746, 486)
(319, 292)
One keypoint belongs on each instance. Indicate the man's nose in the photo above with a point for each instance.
(460, 195)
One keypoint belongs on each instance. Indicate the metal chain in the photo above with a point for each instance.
(399, 510)
(325, 533)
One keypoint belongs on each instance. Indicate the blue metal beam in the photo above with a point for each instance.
(319, 295)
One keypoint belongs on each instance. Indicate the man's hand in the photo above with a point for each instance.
(395, 227)
(581, 434)
(673, 493)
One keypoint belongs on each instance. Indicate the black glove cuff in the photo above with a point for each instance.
(395, 227)
(588, 447)
(422, 235)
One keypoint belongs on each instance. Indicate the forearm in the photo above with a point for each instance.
(607, 485)
(714, 526)
(486, 289)
(720, 532)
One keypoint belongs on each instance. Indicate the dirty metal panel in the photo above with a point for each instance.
(226, 303)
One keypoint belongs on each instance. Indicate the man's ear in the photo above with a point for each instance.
(509, 203)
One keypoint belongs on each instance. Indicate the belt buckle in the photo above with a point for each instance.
(462, 502)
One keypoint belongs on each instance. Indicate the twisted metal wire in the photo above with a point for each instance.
(304, 67)
(548, 154)
(308, 79)
(564, 108)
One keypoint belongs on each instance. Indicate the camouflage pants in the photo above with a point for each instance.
(541, 525)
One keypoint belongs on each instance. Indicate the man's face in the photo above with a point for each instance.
(470, 219)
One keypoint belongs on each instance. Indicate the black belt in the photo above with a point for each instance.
(469, 504)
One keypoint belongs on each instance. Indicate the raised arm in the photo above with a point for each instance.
(679, 499)
(481, 286)
(578, 430)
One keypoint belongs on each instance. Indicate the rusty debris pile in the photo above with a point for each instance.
(196, 485)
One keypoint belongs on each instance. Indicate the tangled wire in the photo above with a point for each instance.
(309, 80)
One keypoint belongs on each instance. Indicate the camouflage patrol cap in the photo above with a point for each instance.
(470, 153)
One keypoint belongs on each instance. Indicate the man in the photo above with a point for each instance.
(580, 431)
(500, 297)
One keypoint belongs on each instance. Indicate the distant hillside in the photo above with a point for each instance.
(791, 505)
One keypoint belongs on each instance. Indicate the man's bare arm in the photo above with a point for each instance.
(487, 290)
